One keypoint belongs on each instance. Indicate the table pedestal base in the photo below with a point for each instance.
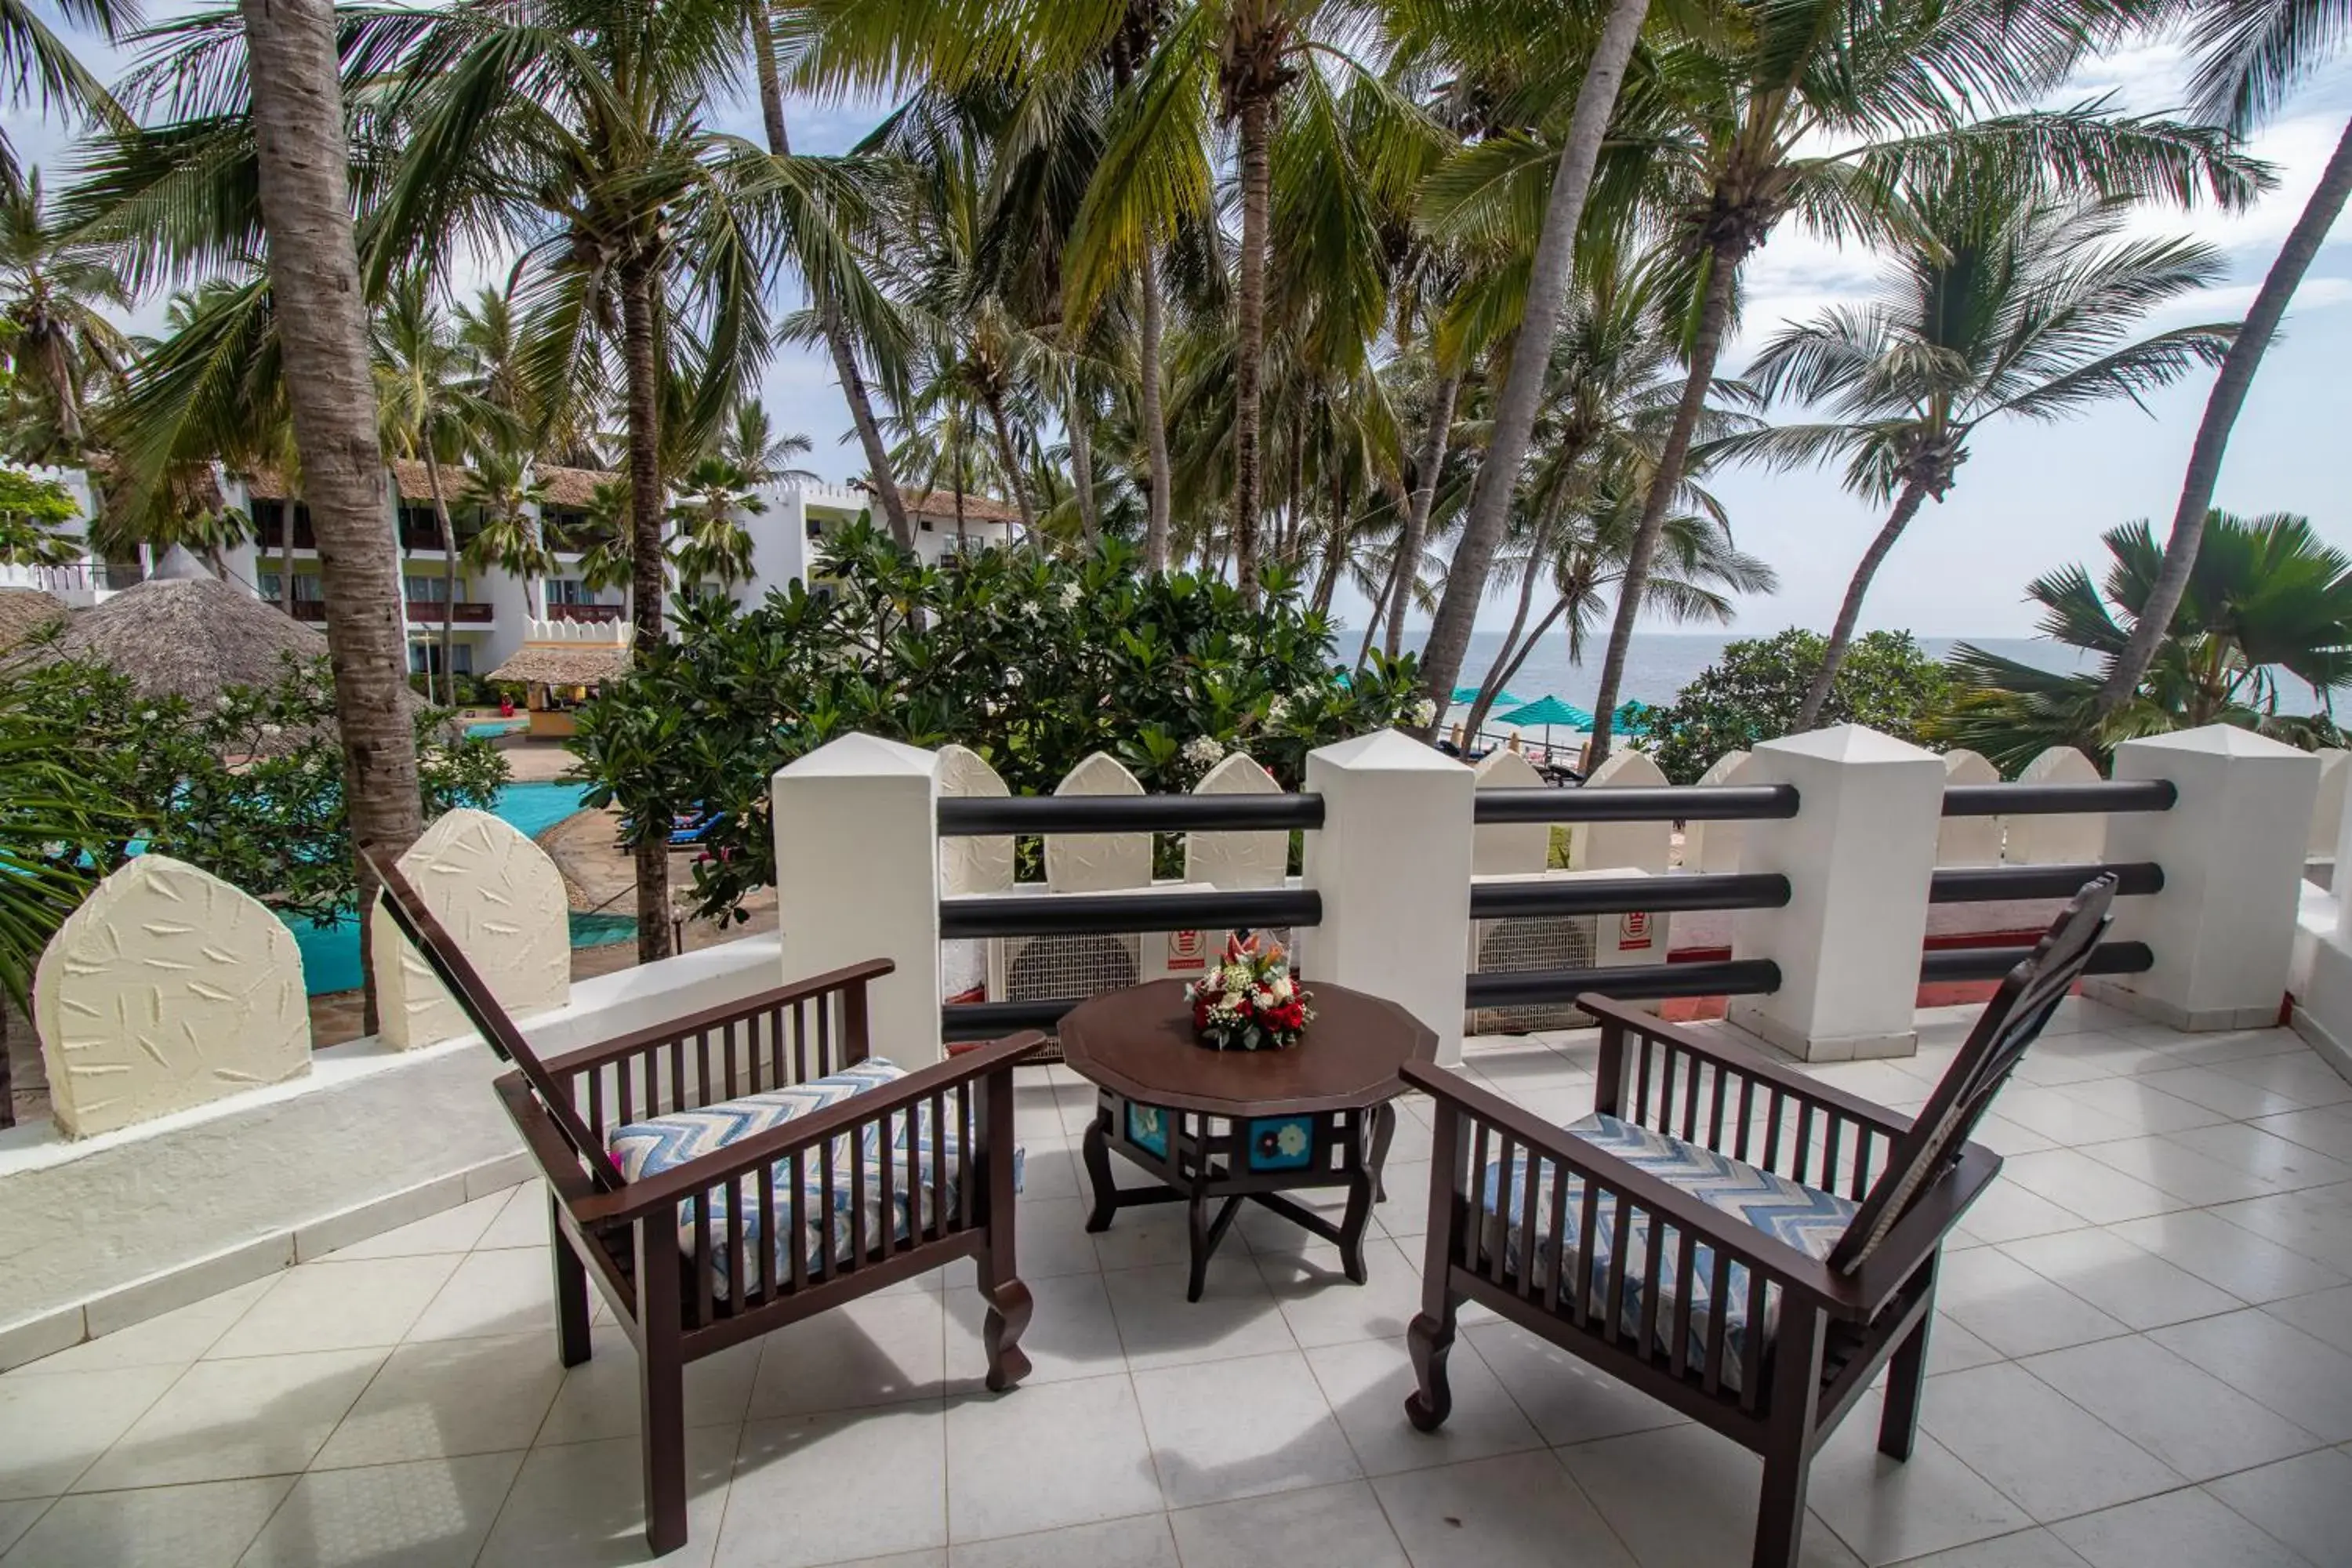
(1205, 1160)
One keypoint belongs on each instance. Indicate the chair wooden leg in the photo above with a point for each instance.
(1906, 1377)
(1429, 1340)
(1009, 1302)
(1789, 1456)
(572, 1345)
(661, 1387)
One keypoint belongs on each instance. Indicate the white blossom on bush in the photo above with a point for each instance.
(1205, 752)
(1070, 596)
(1424, 713)
(1277, 710)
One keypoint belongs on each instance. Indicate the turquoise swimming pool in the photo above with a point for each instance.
(331, 954)
(491, 728)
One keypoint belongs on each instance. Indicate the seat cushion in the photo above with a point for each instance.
(1789, 1212)
(646, 1149)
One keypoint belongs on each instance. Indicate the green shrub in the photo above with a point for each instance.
(1753, 692)
(249, 787)
(1032, 663)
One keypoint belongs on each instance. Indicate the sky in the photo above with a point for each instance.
(2031, 498)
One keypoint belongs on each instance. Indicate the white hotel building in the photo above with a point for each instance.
(494, 608)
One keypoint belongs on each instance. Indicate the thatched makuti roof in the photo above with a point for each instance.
(24, 611)
(185, 633)
(547, 663)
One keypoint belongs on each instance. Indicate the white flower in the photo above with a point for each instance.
(1277, 710)
(273, 729)
(150, 716)
(223, 703)
(1423, 713)
(1279, 988)
(1070, 596)
(1203, 752)
(1291, 1140)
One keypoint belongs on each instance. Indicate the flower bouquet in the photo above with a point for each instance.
(1247, 1001)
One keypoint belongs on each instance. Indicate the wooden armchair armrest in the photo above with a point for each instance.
(661, 1194)
(1779, 1262)
(1740, 1062)
(853, 976)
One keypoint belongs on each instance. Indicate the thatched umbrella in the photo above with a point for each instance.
(25, 611)
(183, 632)
(541, 664)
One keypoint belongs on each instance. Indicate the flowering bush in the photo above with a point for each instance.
(1248, 1001)
(1035, 663)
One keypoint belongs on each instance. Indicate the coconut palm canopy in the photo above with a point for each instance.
(185, 633)
(25, 611)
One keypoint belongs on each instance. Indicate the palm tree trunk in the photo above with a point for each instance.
(1379, 609)
(1633, 587)
(1335, 545)
(1082, 469)
(1010, 459)
(647, 561)
(1424, 496)
(1509, 655)
(449, 579)
(2221, 406)
(1514, 418)
(1249, 343)
(1155, 423)
(1817, 695)
(285, 556)
(1506, 668)
(828, 310)
(314, 276)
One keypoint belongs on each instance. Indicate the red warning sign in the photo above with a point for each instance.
(1634, 932)
(1187, 950)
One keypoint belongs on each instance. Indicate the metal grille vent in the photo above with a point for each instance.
(1539, 941)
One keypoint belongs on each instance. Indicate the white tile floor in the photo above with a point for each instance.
(2144, 1359)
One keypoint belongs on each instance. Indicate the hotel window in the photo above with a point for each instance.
(422, 590)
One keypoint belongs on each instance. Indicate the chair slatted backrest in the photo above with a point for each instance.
(468, 989)
(2011, 1022)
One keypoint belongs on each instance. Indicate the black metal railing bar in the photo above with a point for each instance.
(969, 815)
(1631, 982)
(1507, 900)
(1075, 914)
(2054, 799)
(1986, 884)
(1992, 962)
(1671, 802)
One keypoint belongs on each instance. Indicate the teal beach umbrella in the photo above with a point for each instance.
(1464, 694)
(1549, 712)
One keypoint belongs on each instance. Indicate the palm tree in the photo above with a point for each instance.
(55, 333)
(1547, 290)
(710, 544)
(39, 66)
(2269, 600)
(510, 539)
(831, 321)
(762, 452)
(2001, 302)
(574, 131)
(321, 330)
(2250, 56)
(607, 562)
(428, 411)
(1726, 130)
(1582, 560)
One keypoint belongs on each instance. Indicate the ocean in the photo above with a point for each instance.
(1660, 663)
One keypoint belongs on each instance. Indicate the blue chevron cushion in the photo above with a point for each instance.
(643, 1149)
(1801, 1216)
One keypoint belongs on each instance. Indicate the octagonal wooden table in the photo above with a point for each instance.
(1229, 1127)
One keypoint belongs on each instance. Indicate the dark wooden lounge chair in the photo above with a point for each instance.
(709, 1227)
(1723, 1234)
